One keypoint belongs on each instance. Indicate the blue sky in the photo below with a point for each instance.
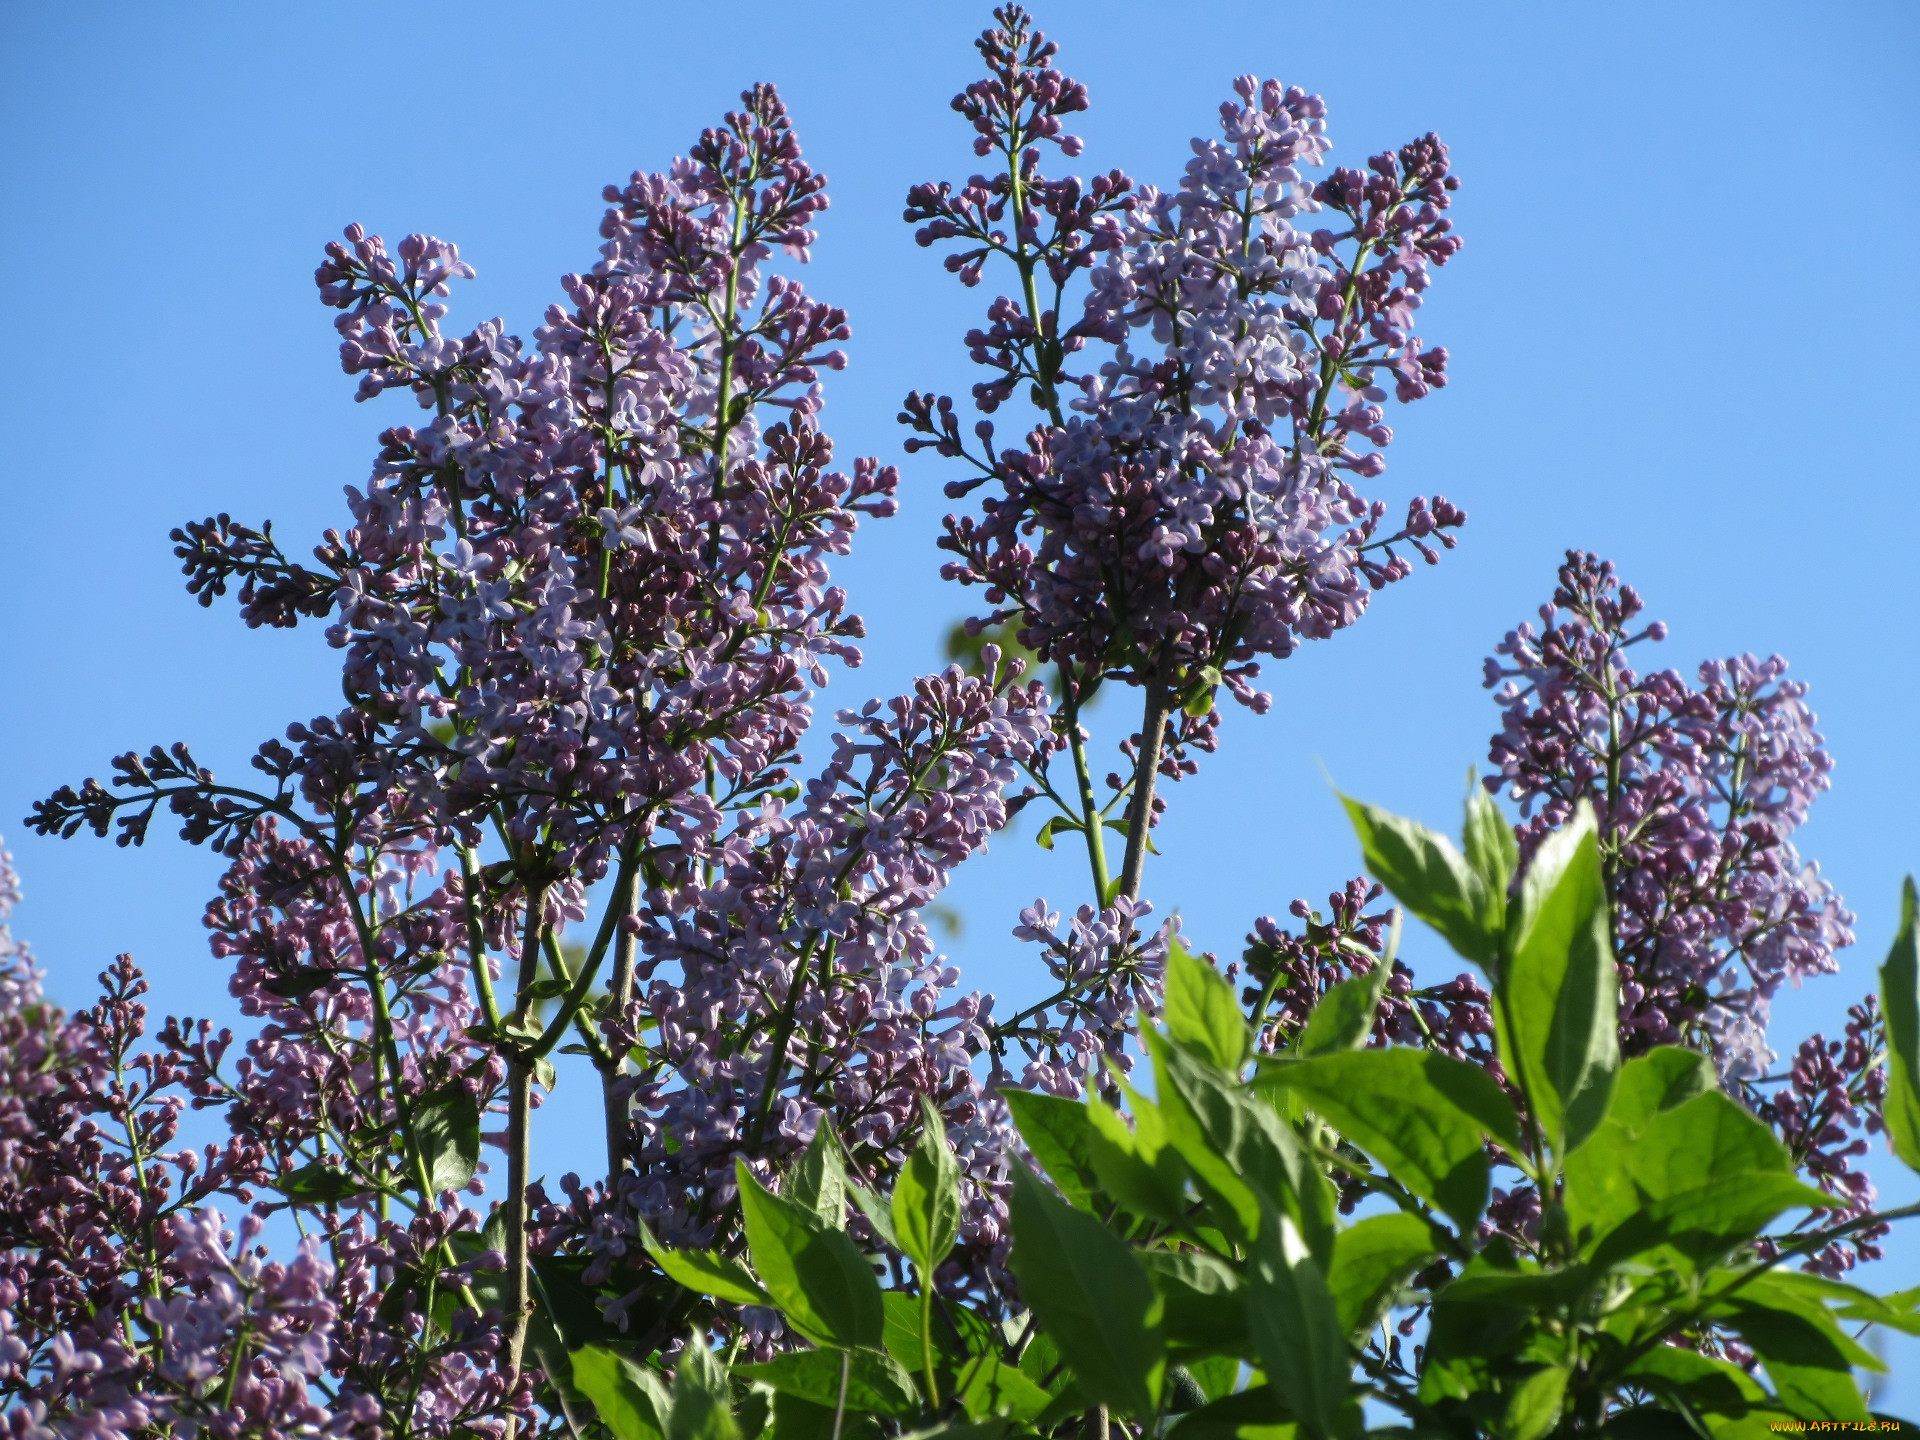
(1690, 241)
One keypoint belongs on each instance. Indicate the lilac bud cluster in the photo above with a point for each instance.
(1288, 972)
(791, 975)
(1196, 509)
(1698, 789)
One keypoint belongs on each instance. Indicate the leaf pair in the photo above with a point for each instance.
(1548, 954)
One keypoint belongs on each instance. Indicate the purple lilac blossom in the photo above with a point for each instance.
(1698, 789)
(1195, 509)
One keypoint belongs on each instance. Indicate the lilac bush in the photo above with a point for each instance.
(583, 608)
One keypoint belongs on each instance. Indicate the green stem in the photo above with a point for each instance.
(1083, 781)
(926, 1341)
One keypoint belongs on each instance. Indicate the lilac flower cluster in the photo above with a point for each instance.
(791, 977)
(1698, 789)
(1196, 509)
(1110, 973)
(579, 608)
(1289, 972)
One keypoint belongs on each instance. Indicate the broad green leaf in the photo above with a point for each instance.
(701, 1408)
(1056, 1131)
(1657, 1081)
(1425, 1117)
(1707, 1138)
(1092, 1297)
(988, 1386)
(877, 1384)
(1296, 1329)
(1202, 1012)
(1205, 1300)
(447, 1127)
(1428, 876)
(1240, 1151)
(958, 1430)
(1344, 1017)
(1600, 1193)
(926, 1197)
(1371, 1261)
(1557, 997)
(319, 1183)
(1255, 1413)
(1900, 1003)
(819, 1180)
(1135, 1166)
(1492, 852)
(1706, 1223)
(632, 1401)
(1704, 1385)
(1808, 1359)
(797, 1419)
(822, 1284)
(705, 1272)
(1850, 1302)
(1534, 1407)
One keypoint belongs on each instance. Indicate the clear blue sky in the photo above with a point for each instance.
(1677, 333)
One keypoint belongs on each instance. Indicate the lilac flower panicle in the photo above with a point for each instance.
(1699, 788)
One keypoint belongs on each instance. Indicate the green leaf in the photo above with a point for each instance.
(1428, 876)
(632, 1401)
(1371, 1261)
(1344, 1017)
(1240, 1151)
(797, 1419)
(706, 1272)
(1425, 1117)
(1702, 1177)
(1900, 1003)
(1701, 1384)
(822, 1284)
(320, 1184)
(989, 1386)
(1057, 1131)
(819, 1180)
(1534, 1407)
(447, 1126)
(1092, 1297)
(1557, 997)
(1205, 1300)
(926, 1197)
(1254, 1414)
(1202, 1012)
(1808, 1359)
(1296, 1329)
(700, 1396)
(1057, 825)
(1709, 1137)
(1600, 1193)
(1492, 853)
(1656, 1082)
(1135, 1166)
(877, 1384)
